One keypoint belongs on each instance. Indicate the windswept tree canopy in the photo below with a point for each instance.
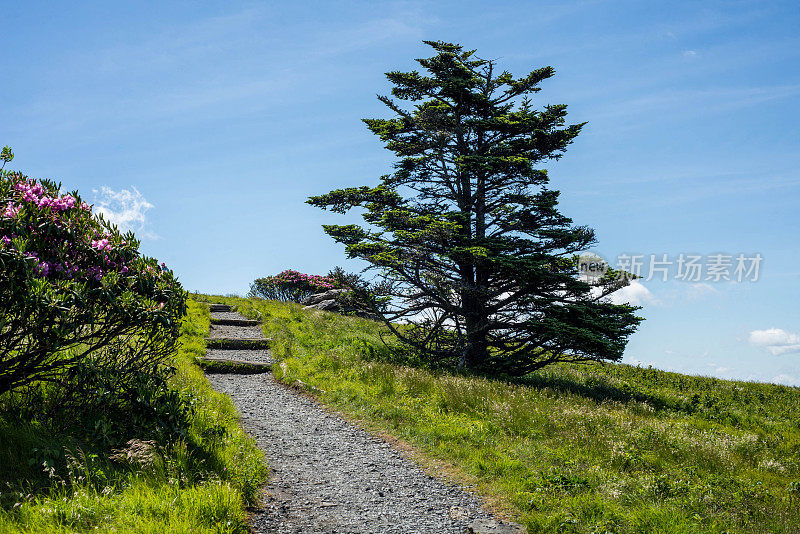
(467, 230)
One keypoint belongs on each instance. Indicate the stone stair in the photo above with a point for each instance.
(235, 322)
(238, 343)
(230, 346)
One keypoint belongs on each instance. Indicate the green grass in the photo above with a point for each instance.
(201, 483)
(589, 449)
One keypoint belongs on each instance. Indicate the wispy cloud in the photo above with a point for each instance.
(677, 103)
(125, 208)
(776, 340)
(621, 41)
(368, 34)
(698, 186)
(213, 67)
(700, 290)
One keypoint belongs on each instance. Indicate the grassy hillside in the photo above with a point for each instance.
(590, 449)
(199, 482)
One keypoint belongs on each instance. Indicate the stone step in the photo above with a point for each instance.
(237, 343)
(494, 526)
(225, 365)
(216, 307)
(235, 322)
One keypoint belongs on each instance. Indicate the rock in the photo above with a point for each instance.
(493, 526)
(328, 305)
(328, 301)
(316, 298)
(459, 514)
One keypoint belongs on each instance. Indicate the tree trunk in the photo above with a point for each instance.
(476, 352)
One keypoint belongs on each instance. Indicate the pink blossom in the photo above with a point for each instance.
(101, 244)
(11, 211)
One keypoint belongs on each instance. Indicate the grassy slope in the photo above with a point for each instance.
(200, 485)
(599, 448)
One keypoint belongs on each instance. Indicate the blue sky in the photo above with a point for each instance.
(204, 126)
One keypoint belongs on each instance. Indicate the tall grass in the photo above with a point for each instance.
(200, 482)
(592, 448)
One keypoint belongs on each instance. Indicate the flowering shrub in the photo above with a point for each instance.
(291, 286)
(74, 289)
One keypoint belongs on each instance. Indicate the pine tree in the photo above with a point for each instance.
(483, 266)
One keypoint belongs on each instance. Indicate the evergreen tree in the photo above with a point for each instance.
(481, 263)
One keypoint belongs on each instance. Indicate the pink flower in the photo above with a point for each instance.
(101, 244)
(11, 211)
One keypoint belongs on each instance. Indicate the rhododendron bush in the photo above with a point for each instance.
(73, 289)
(291, 286)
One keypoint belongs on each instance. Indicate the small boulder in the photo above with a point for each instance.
(316, 298)
(327, 305)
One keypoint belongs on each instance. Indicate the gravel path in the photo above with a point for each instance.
(330, 477)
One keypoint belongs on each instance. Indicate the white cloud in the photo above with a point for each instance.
(634, 293)
(786, 380)
(125, 208)
(776, 340)
(639, 363)
(689, 53)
